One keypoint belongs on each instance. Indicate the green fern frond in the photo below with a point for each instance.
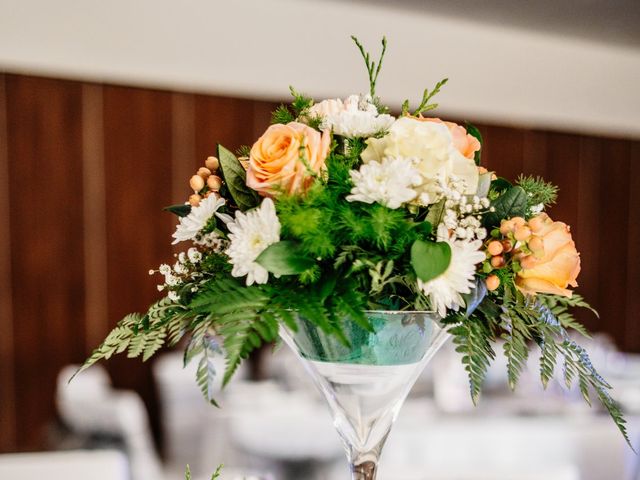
(116, 342)
(471, 337)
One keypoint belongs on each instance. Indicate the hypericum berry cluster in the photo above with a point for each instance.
(515, 245)
(184, 270)
(205, 182)
(463, 215)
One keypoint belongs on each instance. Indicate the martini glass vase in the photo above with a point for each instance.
(366, 382)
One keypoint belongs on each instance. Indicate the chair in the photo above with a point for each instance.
(89, 405)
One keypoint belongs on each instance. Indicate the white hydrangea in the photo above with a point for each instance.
(388, 182)
(250, 234)
(358, 118)
(190, 226)
(445, 291)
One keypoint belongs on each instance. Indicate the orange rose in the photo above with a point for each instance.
(556, 265)
(285, 158)
(465, 143)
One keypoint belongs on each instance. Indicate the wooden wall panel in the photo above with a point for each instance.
(612, 255)
(85, 170)
(7, 373)
(45, 169)
(138, 165)
(632, 331)
(588, 227)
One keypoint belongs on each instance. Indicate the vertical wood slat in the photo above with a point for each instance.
(7, 378)
(94, 208)
(588, 226)
(612, 253)
(632, 324)
(45, 168)
(138, 166)
(183, 157)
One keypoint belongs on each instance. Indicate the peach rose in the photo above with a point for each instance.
(556, 265)
(285, 158)
(466, 143)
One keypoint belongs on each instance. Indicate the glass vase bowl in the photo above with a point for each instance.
(366, 382)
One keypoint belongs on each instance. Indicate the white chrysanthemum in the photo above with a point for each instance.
(358, 118)
(251, 233)
(197, 219)
(388, 182)
(445, 290)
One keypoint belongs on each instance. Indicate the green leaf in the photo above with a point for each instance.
(284, 258)
(512, 203)
(430, 259)
(236, 178)
(436, 212)
(181, 210)
(424, 228)
(474, 132)
(501, 184)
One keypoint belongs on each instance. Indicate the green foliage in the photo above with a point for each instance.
(215, 476)
(235, 178)
(116, 342)
(511, 203)
(181, 210)
(282, 115)
(243, 151)
(427, 95)
(284, 258)
(472, 339)
(373, 68)
(300, 102)
(538, 190)
(430, 259)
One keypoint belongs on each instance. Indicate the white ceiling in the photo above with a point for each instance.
(611, 21)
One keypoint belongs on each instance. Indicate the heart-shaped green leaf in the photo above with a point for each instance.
(430, 259)
(284, 258)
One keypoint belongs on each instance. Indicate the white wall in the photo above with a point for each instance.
(256, 48)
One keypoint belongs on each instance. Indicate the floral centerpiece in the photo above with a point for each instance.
(341, 208)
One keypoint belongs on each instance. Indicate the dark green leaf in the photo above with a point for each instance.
(284, 258)
(501, 184)
(430, 259)
(512, 203)
(424, 228)
(235, 178)
(181, 210)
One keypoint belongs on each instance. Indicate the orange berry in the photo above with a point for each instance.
(196, 183)
(507, 246)
(537, 222)
(506, 226)
(497, 261)
(495, 247)
(194, 200)
(518, 221)
(212, 163)
(492, 282)
(204, 172)
(214, 182)
(522, 233)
